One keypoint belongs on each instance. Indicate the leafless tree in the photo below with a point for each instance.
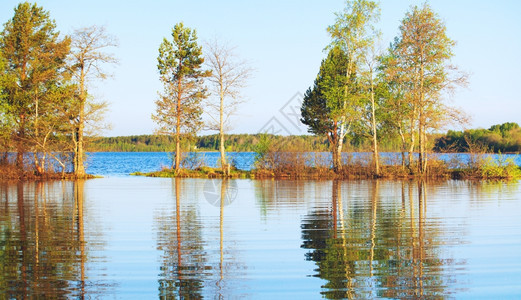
(229, 76)
(88, 57)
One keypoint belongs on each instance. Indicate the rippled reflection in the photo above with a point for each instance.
(191, 265)
(376, 250)
(220, 239)
(43, 241)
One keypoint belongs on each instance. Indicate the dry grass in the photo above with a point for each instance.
(11, 172)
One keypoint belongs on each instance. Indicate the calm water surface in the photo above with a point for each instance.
(144, 238)
(124, 163)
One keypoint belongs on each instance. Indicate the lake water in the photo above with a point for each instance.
(143, 238)
(124, 163)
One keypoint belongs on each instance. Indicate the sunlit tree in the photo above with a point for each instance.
(229, 76)
(353, 33)
(35, 57)
(322, 102)
(422, 54)
(88, 57)
(180, 64)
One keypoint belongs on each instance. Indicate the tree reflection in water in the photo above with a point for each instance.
(183, 258)
(192, 266)
(365, 249)
(43, 245)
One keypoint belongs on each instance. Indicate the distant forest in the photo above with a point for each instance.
(233, 142)
(504, 138)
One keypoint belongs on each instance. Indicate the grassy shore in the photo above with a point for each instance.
(10, 172)
(439, 171)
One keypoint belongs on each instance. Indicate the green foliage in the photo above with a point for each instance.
(354, 26)
(35, 56)
(234, 142)
(500, 168)
(34, 85)
(505, 128)
(180, 63)
(505, 138)
(263, 147)
(322, 105)
(182, 57)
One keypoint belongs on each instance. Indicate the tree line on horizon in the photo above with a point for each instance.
(501, 138)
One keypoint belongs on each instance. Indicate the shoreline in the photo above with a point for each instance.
(354, 173)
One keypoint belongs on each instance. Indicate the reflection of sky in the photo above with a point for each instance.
(479, 231)
(471, 235)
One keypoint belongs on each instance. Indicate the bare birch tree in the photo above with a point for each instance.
(369, 72)
(229, 76)
(88, 57)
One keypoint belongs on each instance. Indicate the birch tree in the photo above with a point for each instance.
(352, 33)
(368, 74)
(229, 76)
(88, 57)
(423, 51)
(400, 116)
(180, 63)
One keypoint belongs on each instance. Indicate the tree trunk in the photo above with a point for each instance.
(20, 149)
(75, 149)
(375, 137)
(421, 127)
(177, 149)
(334, 154)
(422, 145)
(178, 128)
(80, 168)
(221, 131)
(20, 146)
(411, 146)
(425, 149)
(404, 147)
(338, 151)
(39, 163)
(337, 164)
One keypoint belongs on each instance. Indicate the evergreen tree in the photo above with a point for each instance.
(323, 102)
(35, 56)
(179, 106)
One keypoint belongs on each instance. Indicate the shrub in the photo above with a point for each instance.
(501, 167)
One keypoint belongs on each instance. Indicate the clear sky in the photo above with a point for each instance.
(284, 42)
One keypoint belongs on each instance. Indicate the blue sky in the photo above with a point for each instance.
(284, 42)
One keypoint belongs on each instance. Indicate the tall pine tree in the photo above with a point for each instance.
(180, 67)
(35, 57)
